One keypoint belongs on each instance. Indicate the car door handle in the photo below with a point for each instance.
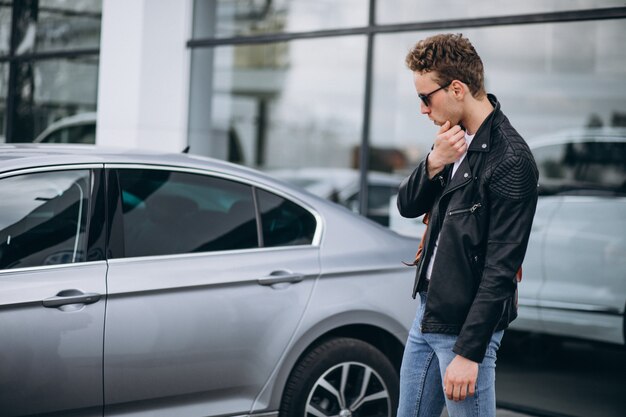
(278, 277)
(71, 297)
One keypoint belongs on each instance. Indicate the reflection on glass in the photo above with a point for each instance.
(280, 105)
(405, 11)
(50, 25)
(4, 82)
(549, 78)
(227, 18)
(5, 28)
(284, 223)
(43, 219)
(51, 90)
(169, 213)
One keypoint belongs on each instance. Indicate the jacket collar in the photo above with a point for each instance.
(482, 140)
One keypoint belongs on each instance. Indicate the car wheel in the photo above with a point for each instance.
(342, 377)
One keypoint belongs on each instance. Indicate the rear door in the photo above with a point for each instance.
(52, 297)
(199, 313)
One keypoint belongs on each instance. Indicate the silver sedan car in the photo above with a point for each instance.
(172, 285)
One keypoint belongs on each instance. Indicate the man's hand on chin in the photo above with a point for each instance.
(460, 378)
(449, 145)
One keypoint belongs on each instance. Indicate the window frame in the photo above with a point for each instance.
(118, 253)
(97, 191)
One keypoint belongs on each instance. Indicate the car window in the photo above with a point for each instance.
(585, 168)
(168, 212)
(284, 223)
(43, 220)
(378, 198)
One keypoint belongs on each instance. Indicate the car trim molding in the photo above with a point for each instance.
(211, 253)
(45, 168)
(575, 307)
(365, 271)
(4, 272)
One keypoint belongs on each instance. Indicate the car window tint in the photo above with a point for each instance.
(284, 223)
(43, 220)
(169, 212)
(585, 168)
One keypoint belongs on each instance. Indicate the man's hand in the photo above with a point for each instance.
(460, 378)
(450, 145)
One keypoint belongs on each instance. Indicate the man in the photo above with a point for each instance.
(479, 186)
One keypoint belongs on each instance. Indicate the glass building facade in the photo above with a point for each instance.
(49, 53)
(299, 85)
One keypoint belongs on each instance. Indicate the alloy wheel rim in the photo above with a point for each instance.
(349, 389)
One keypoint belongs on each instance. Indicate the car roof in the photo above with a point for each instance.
(21, 156)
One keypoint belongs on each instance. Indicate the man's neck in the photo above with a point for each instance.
(478, 111)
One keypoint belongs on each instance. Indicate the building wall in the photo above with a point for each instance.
(144, 74)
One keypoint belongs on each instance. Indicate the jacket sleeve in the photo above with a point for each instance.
(512, 203)
(417, 192)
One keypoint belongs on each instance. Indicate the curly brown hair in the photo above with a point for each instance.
(451, 57)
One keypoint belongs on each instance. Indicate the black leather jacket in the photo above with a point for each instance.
(483, 217)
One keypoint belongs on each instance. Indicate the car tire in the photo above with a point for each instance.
(370, 382)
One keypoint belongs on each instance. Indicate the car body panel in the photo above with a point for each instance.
(199, 322)
(51, 358)
(586, 249)
(331, 312)
(379, 289)
(533, 274)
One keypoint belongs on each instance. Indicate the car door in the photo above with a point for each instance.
(52, 281)
(585, 246)
(206, 295)
(533, 276)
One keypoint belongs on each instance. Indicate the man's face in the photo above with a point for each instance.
(441, 105)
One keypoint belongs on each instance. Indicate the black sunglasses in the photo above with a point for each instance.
(424, 97)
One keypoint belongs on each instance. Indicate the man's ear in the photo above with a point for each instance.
(459, 89)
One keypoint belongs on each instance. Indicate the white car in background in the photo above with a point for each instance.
(574, 280)
(79, 128)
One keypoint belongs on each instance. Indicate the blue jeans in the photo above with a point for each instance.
(426, 357)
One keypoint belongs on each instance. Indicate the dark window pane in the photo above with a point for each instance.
(552, 171)
(588, 168)
(284, 223)
(171, 212)
(43, 218)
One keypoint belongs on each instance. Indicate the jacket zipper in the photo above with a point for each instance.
(470, 210)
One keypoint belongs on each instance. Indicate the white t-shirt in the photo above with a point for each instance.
(457, 163)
